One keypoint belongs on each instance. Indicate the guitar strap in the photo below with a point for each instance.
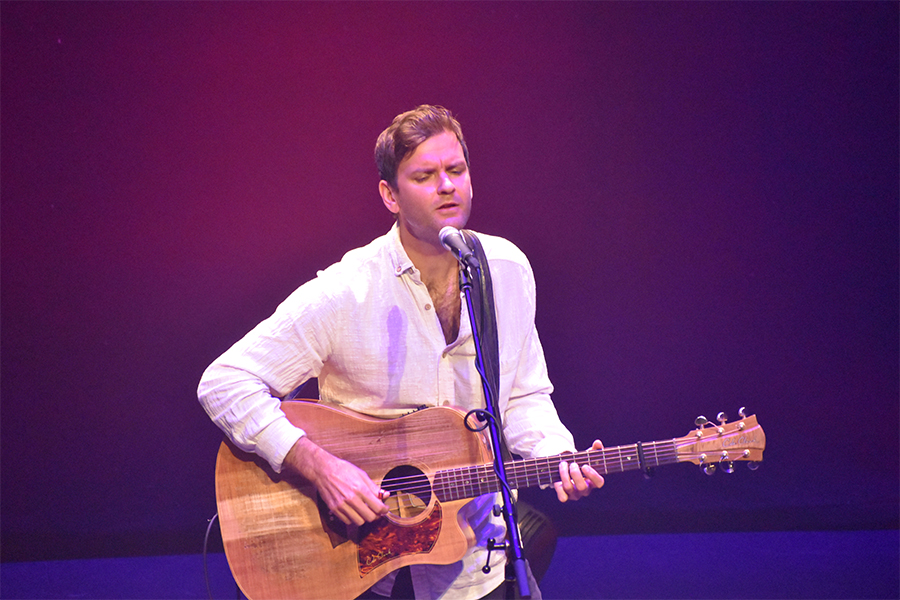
(486, 321)
(537, 531)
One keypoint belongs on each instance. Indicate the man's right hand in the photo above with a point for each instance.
(347, 490)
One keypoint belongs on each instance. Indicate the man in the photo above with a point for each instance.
(385, 332)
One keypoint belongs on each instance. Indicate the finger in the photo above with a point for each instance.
(362, 509)
(353, 511)
(376, 505)
(564, 485)
(565, 476)
(336, 506)
(593, 476)
(597, 445)
(577, 478)
(366, 514)
(560, 493)
(565, 490)
(347, 517)
(580, 486)
(369, 506)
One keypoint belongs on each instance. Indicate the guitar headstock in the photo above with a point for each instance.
(720, 445)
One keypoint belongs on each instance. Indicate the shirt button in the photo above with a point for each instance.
(427, 307)
(399, 269)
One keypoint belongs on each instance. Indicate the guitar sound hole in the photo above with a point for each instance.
(410, 491)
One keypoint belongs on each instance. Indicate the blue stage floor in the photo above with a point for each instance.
(815, 565)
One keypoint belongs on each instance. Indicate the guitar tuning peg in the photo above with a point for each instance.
(708, 468)
(742, 412)
(721, 418)
(753, 465)
(728, 466)
(701, 421)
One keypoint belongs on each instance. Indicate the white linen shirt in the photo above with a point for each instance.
(367, 329)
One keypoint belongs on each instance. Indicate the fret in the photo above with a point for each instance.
(612, 458)
(486, 479)
(438, 486)
(651, 454)
(635, 460)
(476, 475)
(457, 484)
(550, 474)
(464, 490)
(631, 458)
(475, 478)
(448, 485)
(453, 485)
(517, 473)
(526, 476)
(466, 483)
(592, 459)
(537, 473)
(471, 482)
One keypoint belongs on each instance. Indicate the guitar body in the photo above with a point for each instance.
(281, 541)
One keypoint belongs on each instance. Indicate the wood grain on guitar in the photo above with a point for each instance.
(281, 542)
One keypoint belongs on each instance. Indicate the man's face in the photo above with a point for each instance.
(433, 189)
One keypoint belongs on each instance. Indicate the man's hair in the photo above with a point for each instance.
(407, 131)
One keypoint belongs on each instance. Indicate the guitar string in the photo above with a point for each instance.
(626, 458)
(455, 482)
(480, 480)
(471, 481)
(482, 477)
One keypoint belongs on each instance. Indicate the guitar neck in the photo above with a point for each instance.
(469, 482)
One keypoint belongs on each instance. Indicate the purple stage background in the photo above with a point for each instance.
(708, 193)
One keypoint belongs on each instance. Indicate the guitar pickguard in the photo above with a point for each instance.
(383, 540)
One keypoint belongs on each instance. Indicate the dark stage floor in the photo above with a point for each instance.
(817, 564)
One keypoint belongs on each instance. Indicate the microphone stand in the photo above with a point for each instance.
(514, 545)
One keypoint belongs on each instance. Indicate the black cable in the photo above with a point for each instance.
(205, 547)
(237, 589)
(487, 418)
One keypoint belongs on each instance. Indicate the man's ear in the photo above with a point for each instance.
(388, 196)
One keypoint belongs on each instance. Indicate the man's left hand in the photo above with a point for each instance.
(577, 481)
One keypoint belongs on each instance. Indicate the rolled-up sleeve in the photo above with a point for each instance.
(241, 390)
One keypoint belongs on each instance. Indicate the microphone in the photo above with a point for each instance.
(454, 241)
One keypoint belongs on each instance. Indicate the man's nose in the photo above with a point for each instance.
(446, 183)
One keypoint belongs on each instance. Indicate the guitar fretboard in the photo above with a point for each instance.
(469, 482)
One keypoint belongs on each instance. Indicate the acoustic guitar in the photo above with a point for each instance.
(282, 543)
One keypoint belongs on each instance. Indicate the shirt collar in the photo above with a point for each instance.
(400, 261)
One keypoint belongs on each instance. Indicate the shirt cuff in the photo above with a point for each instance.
(276, 440)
